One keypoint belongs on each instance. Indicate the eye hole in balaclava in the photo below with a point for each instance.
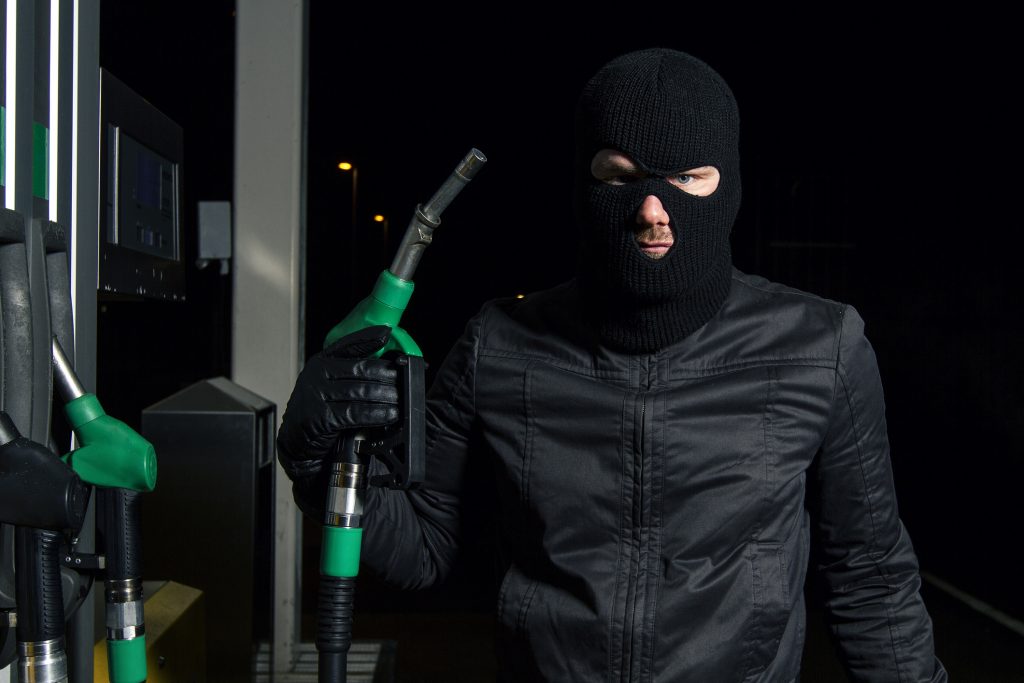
(666, 111)
(652, 222)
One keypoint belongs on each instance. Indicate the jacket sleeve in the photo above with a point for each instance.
(865, 557)
(410, 538)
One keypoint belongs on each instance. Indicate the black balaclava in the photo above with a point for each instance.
(668, 112)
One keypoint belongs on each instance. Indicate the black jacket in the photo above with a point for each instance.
(658, 510)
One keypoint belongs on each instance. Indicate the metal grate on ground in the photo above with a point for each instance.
(368, 662)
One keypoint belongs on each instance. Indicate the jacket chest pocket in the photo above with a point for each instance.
(559, 452)
(736, 447)
(714, 439)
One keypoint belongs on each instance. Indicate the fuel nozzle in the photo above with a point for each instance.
(37, 489)
(115, 458)
(394, 286)
(42, 497)
(401, 450)
(112, 455)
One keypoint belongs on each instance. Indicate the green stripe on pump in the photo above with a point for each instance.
(40, 160)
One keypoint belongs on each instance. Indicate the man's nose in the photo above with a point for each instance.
(652, 213)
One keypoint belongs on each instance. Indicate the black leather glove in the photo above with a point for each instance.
(341, 388)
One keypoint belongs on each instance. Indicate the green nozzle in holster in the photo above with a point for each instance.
(112, 454)
(384, 306)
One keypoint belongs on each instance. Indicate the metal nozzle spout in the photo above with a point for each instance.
(473, 162)
(8, 431)
(64, 377)
(428, 216)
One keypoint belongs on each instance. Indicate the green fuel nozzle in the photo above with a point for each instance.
(121, 464)
(394, 286)
(112, 454)
(384, 306)
(401, 451)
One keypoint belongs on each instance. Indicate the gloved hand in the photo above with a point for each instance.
(341, 388)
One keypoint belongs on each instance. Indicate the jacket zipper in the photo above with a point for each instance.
(634, 607)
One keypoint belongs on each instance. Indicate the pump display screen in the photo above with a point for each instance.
(142, 198)
(141, 247)
(147, 180)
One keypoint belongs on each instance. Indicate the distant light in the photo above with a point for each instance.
(345, 166)
(378, 218)
(520, 296)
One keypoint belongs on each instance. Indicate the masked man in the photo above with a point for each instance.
(668, 436)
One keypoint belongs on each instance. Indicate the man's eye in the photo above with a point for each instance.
(619, 179)
(682, 179)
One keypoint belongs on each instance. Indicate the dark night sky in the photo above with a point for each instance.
(894, 138)
(900, 128)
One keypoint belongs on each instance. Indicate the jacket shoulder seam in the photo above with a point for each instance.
(568, 367)
(788, 291)
(811, 362)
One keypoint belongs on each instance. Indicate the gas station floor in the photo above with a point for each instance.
(456, 647)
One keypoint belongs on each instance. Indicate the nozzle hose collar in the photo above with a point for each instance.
(42, 661)
(345, 495)
(123, 590)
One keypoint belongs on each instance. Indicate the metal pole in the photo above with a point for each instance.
(355, 193)
(353, 259)
(269, 269)
(85, 212)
